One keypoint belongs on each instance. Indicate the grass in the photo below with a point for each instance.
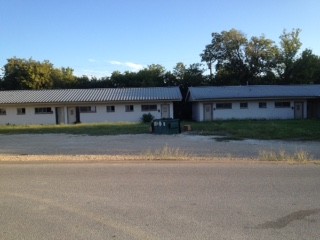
(79, 129)
(282, 156)
(166, 153)
(261, 129)
(233, 129)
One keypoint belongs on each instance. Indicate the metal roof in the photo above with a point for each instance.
(91, 95)
(253, 92)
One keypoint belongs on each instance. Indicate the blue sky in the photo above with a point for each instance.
(97, 37)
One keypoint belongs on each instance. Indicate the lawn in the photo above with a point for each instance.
(262, 129)
(82, 129)
(235, 129)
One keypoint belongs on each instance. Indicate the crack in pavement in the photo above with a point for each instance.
(284, 221)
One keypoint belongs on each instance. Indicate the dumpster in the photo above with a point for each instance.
(166, 126)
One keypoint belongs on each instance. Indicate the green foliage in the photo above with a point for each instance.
(231, 59)
(147, 118)
(31, 74)
(259, 60)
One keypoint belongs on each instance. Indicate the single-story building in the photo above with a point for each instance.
(67, 106)
(255, 102)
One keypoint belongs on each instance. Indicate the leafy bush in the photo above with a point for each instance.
(147, 118)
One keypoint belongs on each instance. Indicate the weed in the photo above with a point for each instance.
(282, 156)
(166, 153)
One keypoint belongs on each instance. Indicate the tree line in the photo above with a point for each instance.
(229, 59)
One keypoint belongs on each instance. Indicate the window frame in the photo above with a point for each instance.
(21, 111)
(43, 110)
(3, 111)
(87, 109)
(129, 108)
(244, 107)
(223, 105)
(262, 104)
(149, 107)
(282, 104)
(110, 108)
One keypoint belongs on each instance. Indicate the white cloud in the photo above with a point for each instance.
(132, 66)
(115, 63)
(91, 73)
(92, 60)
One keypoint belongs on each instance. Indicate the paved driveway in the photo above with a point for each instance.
(50, 144)
(159, 201)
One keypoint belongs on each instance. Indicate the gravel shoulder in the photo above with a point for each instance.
(98, 147)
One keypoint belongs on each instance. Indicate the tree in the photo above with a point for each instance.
(152, 76)
(290, 44)
(306, 69)
(227, 52)
(179, 70)
(261, 57)
(27, 74)
(63, 78)
(22, 74)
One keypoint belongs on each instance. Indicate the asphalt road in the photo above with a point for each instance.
(159, 201)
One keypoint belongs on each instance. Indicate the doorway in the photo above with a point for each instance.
(59, 115)
(165, 111)
(207, 112)
(298, 110)
(73, 115)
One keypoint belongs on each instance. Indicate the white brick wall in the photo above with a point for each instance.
(101, 114)
(252, 112)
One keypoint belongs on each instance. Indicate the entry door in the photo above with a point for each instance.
(207, 111)
(72, 116)
(165, 111)
(59, 115)
(298, 110)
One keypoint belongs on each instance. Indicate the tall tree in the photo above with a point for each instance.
(63, 78)
(27, 74)
(306, 69)
(290, 44)
(261, 57)
(227, 52)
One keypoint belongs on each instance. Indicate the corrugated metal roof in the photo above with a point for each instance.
(254, 91)
(90, 95)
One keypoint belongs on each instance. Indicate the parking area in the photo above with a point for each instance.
(194, 145)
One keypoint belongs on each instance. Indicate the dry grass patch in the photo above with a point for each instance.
(282, 156)
(166, 153)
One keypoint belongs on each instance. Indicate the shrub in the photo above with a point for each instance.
(147, 118)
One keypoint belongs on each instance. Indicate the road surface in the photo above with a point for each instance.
(164, 200)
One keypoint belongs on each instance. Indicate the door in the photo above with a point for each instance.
(59, 115)
(165, 111)
(298, 110)
(207, 112)
(72, 116)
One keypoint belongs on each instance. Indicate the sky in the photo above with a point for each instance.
(98, 37)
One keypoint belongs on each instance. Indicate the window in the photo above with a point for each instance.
(149, 108)
(129, 108)
(110, 109)
(44, 110)
(223, 105)
(262, 105)
(243, 105)
(3, 111)
(87, 109)
(282, 104)
(21, 111)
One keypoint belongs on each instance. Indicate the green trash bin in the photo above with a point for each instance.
(166, 126)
